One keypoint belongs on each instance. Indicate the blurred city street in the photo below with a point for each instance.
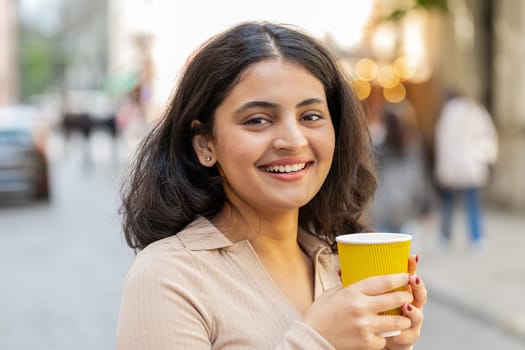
(471, 286)
(63, 265)
(490, 284)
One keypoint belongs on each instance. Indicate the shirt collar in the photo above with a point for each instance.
(201, 234)
(311, 245)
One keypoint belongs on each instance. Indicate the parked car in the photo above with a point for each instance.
(23, 158)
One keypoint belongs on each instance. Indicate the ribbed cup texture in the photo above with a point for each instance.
(359, 261)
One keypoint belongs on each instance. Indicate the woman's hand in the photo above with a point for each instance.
(413, 311)
(348, 317)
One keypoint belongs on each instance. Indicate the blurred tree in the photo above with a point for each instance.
(39, 63)
(399, 11)
(62, 45)
(35, 64)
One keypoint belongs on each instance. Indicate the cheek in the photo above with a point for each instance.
(236, 149)
(328, 148)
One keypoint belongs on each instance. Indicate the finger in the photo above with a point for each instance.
(386, 323)
(382, 284)
(416, 317)
(412, 264)
(411, 335)
(391, 300)
(414, 314)
(419, 290)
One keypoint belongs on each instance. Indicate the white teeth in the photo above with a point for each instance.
(285, 168)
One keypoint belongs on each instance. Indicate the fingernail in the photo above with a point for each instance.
(417, 258)
(418, 281)
(409, 307)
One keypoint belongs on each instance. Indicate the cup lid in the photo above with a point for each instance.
(373, 237)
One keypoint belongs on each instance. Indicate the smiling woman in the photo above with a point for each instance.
(261, 125)
(234, 201)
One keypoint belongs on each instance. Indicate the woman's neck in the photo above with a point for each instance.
(270, 234)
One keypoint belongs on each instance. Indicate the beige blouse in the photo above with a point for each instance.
(198, 290)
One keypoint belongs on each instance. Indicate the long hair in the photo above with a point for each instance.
(167, 187)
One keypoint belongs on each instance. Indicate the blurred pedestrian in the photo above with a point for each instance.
(130, 117)
(466, 148)
(236, 197)
(402, 197)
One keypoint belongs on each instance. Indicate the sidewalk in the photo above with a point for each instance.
(490, 286)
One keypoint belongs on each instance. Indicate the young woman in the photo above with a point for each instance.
(235, 199)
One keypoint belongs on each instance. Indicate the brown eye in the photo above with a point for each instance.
(257, 121)
(311, 117)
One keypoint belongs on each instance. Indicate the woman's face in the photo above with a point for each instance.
(273, 138)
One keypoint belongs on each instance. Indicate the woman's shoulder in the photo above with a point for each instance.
(166, 258)
(178, 255)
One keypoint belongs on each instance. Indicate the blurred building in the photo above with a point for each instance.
(84, 43)
(131, 38)
(507, 85)
(8, 61)
(482, 54)
(474, 45)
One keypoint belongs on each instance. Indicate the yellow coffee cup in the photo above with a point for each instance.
(363, 255)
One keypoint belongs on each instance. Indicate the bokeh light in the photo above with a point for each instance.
(404, 67)
(362, 88)
(395, 94)
(387, 77)
(366, 69)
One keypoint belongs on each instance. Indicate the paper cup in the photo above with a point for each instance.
(363, 255)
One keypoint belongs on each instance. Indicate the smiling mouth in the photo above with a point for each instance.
(285, 169)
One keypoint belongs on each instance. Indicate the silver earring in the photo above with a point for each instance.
(207, 159)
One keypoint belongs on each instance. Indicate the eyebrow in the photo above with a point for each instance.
(272, 105)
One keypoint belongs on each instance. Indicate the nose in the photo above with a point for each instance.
(290, 135)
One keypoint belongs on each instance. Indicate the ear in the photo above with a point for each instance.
(203, 147)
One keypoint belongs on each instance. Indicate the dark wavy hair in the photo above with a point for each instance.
(167, 187)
